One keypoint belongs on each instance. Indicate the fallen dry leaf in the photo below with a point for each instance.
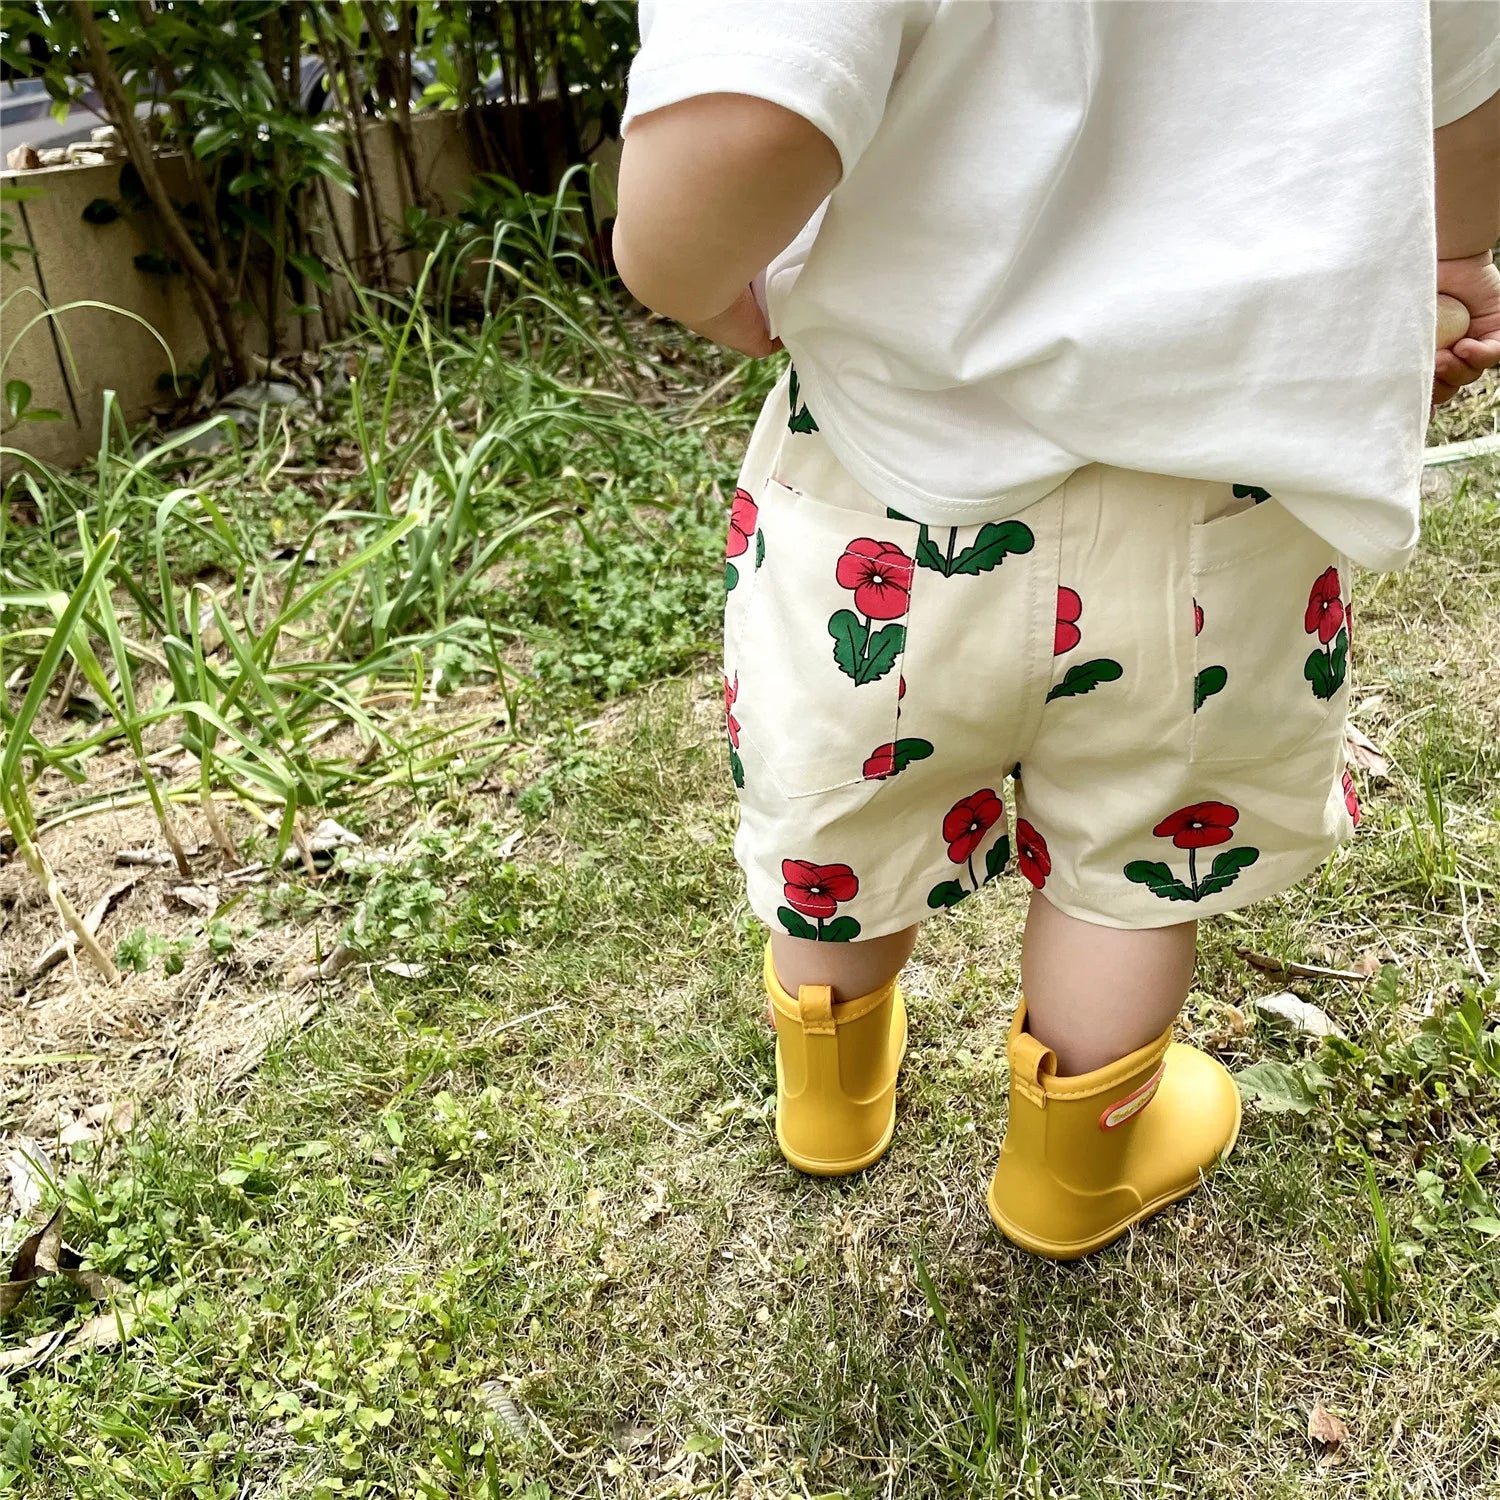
(1287, 969)
(1326, 1432)
(1361, 751)
(102, 1331)
(1301, 1015)
(93, 920)
(404, 970)
(204, 898)
(78, 1133)
(29, 1168)
(33, 1351)
(36, 1258)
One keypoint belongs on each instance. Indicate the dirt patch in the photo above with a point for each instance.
(223, 972)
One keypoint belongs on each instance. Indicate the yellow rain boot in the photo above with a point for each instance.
(836, 1065)
(1085, 1158)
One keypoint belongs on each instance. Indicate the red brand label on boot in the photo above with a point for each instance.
(1133, 1103)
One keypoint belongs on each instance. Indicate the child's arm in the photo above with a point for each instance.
(1467, 154)
(711, 191)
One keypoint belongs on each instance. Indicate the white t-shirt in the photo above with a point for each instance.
(1194, 239)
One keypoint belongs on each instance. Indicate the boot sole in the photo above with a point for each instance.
(816, 1166)
(1077, 1249)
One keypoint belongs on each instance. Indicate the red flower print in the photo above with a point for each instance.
(881, 762)
(1325, 610)
(731, 723)
(1351, 798)
(1067, 635)
(1197, 618)
(880, 575)
(1199, 826)
(743, 517)
(816, 890)
(1031, 854)
(967, 822)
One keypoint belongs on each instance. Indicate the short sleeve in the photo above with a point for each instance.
(1465, 56)
(830, 62)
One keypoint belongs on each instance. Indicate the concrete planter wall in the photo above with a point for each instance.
(79, 261)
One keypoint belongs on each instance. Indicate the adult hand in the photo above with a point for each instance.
(1474, 281)
(742, 327)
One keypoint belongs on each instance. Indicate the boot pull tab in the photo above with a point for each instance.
(1029, 1060)
(815, 1010)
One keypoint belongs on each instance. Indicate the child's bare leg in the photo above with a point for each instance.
(1094, 994)
(849, 969)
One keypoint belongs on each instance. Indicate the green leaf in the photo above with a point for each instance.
(43, 414)
(1085, 677)
(760, 548)
(904, 752)
(1278, 1087)
(795, 923)
(314, 269)
(100, 211)
(1319, 671)
(995, 542)
(850, 638)
(841, 930)
(928, 555)
(17, 397)
(997, 857)
(731, 578)
(1339, 665)
(949, 893)
(256, 221)
(1159, 878)
(881, 655)
(736, 767)
(1226, 870)
(1209, 681)
(1485, 1224)
(212, 138)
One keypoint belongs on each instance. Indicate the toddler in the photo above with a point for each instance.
(1111, 331)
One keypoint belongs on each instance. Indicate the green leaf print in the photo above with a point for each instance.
(1209, 681)
(731, 578)
(1159, 877)
(760, 548)
(1318, 669)
(736, 767)
(997, 858)
(949, 893)
(1226, 870)
(1339, 666)
(904, 752)
(1251, 492)
(928, 553)
(1085, 677)
(892, 514)
(851, 637)
(796, 924)
(884, 650)
(995, 542)
(840, 930)
(799, 421)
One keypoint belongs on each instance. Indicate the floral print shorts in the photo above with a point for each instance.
(1159, 668)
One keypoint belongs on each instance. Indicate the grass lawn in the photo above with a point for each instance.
(505, 1216)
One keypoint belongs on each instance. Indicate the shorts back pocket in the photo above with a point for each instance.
(814, 661)
(1271, 635)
